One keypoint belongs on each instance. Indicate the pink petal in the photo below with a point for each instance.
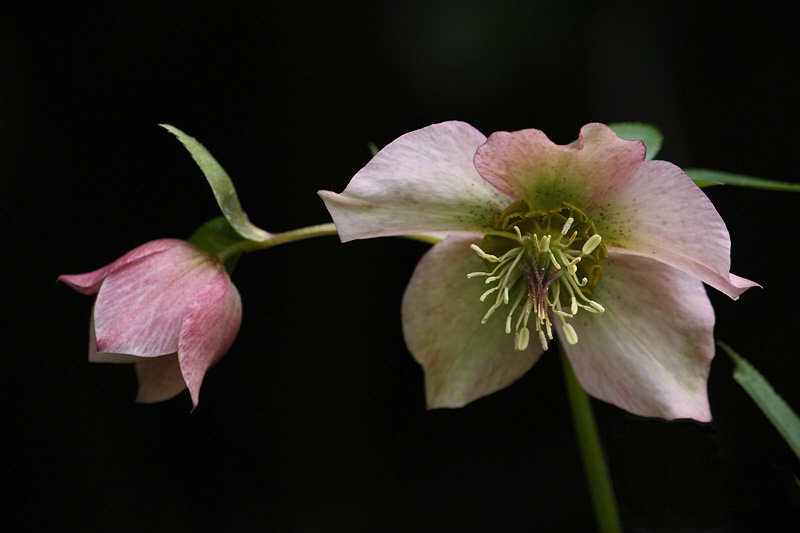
(104, 357)
(422, 182)
(160, 378)
(647, 208)
(208, 329)
(658, 212)
(140, 305)
(462, 359)
(526, 164)
(89, 283)
(651, 350)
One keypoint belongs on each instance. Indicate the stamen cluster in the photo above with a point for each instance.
(544, 262)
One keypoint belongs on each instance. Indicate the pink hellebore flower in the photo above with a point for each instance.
(587, 241)
(168, 307)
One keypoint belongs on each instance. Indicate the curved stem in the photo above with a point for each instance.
(594, 463)
(309, 232)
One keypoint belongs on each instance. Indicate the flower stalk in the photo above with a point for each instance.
(594, 464)
(275, 239)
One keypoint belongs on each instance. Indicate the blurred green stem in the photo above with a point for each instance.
(594, 463)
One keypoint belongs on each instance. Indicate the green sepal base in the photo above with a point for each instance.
(217, 236)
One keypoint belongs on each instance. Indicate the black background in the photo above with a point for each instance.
(315, 420)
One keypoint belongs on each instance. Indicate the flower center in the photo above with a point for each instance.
(541, 263)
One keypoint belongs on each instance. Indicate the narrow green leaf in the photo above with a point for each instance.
(771, 404)
(221, 185)
(637, 131)
(705, 178)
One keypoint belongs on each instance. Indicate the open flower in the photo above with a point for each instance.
(587, 241)
(167, 306)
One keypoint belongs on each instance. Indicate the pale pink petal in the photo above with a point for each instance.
(658, 212)
(139, 307)
(90, 282)
(160, 378)
(208, 329)
(528, 165)
(648, 208)
(651, 350)
(463, 360)
(422, 182)
(104, 357)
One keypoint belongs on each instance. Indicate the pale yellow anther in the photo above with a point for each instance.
(569, 333)
(591, 244)
(567, 225)
(523, 337)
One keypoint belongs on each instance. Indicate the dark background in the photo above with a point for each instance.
(315, 420)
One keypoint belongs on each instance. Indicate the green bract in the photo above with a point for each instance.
(222, 186)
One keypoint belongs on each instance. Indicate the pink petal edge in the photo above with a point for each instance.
(528, 165)
(89, 283)
(208, 330)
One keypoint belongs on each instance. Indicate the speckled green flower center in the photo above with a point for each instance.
(541, 263)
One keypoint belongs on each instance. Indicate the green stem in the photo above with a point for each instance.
(594, 463)
(275, 239)
(309, 232)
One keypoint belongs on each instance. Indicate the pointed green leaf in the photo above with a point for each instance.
(771, 404)
(637, 131)
(704, 177)
(222, 186)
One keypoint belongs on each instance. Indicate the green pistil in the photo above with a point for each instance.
(544, 262)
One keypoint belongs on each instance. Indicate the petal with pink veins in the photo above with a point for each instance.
(139, 308)
(89, 283)
(208, 329)
(105, 357)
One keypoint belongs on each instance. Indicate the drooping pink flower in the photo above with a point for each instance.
(167, 306)
(586, 241)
